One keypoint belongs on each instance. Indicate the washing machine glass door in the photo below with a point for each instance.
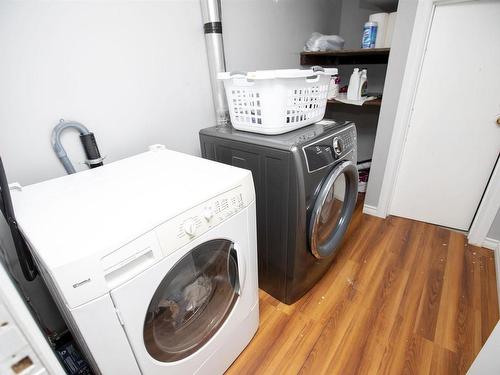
(192, 301)
(333, 209)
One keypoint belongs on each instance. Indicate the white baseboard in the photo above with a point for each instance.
(496, 254)
(372, 210)
(491, 243)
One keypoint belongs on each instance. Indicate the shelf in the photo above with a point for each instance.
(346, 56)
(371, 103)
(385, 5)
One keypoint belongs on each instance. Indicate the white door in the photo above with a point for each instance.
(453, 139)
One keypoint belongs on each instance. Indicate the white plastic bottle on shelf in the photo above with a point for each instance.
(363, 83)
(369, 37)
(333, 88)
(353, 88)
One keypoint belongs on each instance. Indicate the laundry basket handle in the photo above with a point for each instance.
(237, 73)
(241, 79)
(315, 77)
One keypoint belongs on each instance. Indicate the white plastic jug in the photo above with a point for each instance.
(353, 91)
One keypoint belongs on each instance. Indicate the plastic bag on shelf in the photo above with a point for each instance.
(321, 42)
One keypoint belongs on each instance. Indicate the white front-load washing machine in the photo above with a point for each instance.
(152, 260)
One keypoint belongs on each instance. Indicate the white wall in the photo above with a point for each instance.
(394, 77)
(488, 361)
(270, 34)
(134, 72)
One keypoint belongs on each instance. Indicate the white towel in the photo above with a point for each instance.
(381, 19)
(390, 29)
(343, 99)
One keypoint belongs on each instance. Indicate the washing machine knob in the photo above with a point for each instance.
(338, 146)
(208, 213)
(189, 227)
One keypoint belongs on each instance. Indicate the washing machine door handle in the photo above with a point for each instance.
(236, 259)
(325, 245)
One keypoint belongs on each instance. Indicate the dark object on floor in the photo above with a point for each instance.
(71, 358)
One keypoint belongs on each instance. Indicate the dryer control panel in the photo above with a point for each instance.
(324, 152)
(180, 230)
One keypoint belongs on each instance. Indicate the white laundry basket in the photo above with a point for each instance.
(276, 101)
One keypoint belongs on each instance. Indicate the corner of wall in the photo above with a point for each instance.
(335, 7)
(386, 127)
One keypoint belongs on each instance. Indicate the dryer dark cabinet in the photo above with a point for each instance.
(306, 188)
(272, 174)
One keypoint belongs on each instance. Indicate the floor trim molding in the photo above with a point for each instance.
(496, 254)
(492, 244)
(371, 210)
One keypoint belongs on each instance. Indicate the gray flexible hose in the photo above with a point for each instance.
(57, 145)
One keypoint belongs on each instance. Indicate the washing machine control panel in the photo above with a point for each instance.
(324, 152)
(338, 146)
(182, 229)
(190, 226)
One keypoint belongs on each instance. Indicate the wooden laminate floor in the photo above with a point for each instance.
(403, 297)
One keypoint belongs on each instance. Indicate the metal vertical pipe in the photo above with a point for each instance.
(212, 25)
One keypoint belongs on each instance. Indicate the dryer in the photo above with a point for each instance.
(306, 185)
(152, 260)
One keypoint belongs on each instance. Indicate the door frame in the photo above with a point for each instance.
(416, 55)
(488, 208)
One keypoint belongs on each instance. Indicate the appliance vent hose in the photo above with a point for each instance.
(89, 144)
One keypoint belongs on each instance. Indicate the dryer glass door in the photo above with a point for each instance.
(192, 301)
(333, 210)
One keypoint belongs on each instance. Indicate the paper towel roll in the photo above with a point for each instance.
(390, 29)
(381, 19)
